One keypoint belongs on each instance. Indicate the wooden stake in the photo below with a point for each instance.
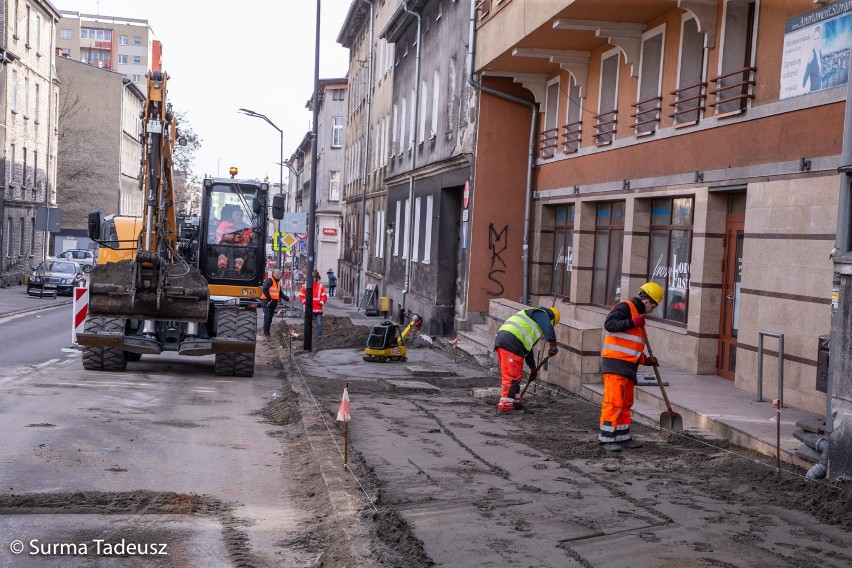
(346, 445)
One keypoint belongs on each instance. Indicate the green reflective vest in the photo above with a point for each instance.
(524, 328)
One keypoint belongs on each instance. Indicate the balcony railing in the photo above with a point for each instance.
(605, 125)
(572, 133)
(548, 143)
(733, 91)
(646, 119)
(689, 103)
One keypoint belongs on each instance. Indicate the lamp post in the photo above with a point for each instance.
(280, 165)
(309, 280)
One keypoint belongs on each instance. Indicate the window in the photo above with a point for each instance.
(649, 96)
(427, 237)
(689, 98)
(96, 34)
(413, 118)
(733, 90)
(24, 169)
(605, 120)
(137, 40)
(669, 254)
(35, 170)
(14, 90)
(64, 33)
(563, 250)
(573, 118)
(137, 78)
(15, 18)
(38, 33)
(122, 40)
(407, 230)
(436, 94)
(394, 135)
(337, 132)
(122, 60)
(402, 144)
(424, 94)
(415, 237)
(12, 177)
(395, 233)
(379, 241)
(451, 94)
(137, 59)
(29, 12)
(65, 51)
(26, 96)
(334, 186)
(609, 242)
(37, 96)
(550, 134)
(337, 94)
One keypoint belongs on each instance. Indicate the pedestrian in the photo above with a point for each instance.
(270, 297)
(514, 344)
(623, 352)
(320, 298)
(332, 281)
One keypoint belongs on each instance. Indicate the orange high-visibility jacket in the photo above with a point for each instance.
(274, 290)
(623, 351)
(320, 296)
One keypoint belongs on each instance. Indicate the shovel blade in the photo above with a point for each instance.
(671, 421)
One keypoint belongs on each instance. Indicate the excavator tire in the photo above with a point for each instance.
(104, 358)
(130, 356)
(238, 324)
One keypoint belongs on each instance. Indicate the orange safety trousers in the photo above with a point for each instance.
(511, 371)
(615, 409)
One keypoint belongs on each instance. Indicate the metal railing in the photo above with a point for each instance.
(647, 115)
(689, 100)
(780, 337)
(571, 136)
(737, 100)
(548, 143)
(605, 126)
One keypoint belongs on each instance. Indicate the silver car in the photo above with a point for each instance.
(85, 258)
(61, 276)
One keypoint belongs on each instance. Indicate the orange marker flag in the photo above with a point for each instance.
(343, 414)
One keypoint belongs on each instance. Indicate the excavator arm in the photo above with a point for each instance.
(157, 284)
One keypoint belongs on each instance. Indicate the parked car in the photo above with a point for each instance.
(83, 257)
(60, 274)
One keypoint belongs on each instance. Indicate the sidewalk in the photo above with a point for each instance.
(14, 300)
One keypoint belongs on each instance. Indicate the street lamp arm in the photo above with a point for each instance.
(263, 116)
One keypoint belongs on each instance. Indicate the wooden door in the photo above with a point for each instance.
(732, 268)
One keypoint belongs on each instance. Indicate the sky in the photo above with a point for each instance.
(254, 54)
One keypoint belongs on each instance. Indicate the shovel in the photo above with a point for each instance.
(533, 376)
(669, 420)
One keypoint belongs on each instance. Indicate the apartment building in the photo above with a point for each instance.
(124, 45)
(111, 130)
(368, 123)
(429, 161)
(691, 143)
(332, 101)
(28, 105)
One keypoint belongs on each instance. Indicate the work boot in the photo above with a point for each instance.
(612, 447)
(631, 444)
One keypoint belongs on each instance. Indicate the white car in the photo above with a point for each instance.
(85, 258)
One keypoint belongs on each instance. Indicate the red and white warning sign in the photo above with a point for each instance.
(81, 308)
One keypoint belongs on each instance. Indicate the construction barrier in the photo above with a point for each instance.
(81, 308)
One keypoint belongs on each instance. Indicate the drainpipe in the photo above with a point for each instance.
(416, 111)
(50, 107)
(525, 298)
(362, 268)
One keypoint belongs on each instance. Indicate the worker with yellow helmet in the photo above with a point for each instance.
(623, 352)
(514, 345)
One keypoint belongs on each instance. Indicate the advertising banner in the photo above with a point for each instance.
(816, 50)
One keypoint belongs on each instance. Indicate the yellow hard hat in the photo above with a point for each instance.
(653, 291)
(554, 314)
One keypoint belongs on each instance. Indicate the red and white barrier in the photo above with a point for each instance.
(81, 308)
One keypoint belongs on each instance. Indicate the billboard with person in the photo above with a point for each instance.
(816, 50)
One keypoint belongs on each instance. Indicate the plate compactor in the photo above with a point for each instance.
(386, 343)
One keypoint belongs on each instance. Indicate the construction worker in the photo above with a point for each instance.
(514, 344)
(234, 231)
(623, 352)
(269, 299)
(320, 298)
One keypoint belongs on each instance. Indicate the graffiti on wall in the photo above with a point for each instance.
(497, 243)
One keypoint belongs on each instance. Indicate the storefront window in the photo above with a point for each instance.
(609, 242)
(563, 250)
(669, 255)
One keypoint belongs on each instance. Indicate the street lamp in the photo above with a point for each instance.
(280, 165)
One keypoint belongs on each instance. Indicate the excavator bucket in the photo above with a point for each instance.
(133, 289)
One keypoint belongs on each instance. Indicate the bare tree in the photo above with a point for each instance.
(186, 185)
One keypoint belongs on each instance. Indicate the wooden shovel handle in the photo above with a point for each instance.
(656, 370)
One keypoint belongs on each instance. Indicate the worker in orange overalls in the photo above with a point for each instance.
(623, 352)
(233, 230)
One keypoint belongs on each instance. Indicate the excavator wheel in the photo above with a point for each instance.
(104, 358)
(130, 356)
(238, 324)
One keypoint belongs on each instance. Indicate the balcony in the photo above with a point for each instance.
(733, 91)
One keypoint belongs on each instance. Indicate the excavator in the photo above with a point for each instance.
(190, 284)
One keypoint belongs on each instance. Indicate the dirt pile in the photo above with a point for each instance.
(338, 332)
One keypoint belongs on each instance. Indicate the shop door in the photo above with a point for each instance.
(726, 364)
